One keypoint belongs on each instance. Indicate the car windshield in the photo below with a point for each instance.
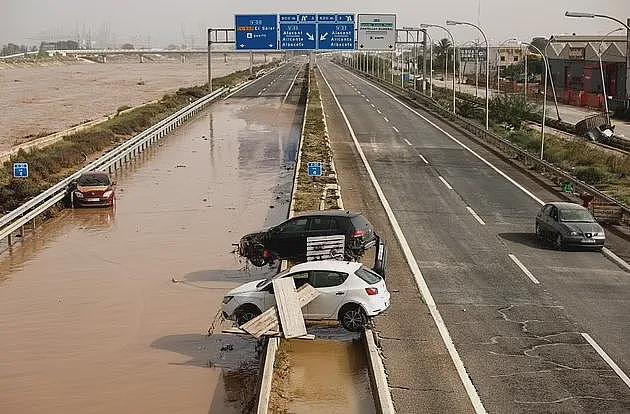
(576, 215)
(264, 282)
(93, 180)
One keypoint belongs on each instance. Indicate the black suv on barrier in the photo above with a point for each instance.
(287, 240)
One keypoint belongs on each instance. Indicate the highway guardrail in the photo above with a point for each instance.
(507, 148)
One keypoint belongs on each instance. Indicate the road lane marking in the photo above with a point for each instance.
(445, 182)
(475, 215)
(379, 111)
(467, 148)
(372, 105)
(415, 269)
(407, 141)
(395, 129)
(386, 120)
(524, 269)
(423, 159)
(260, 93)
(286, 95)
(367, 100)
(608, 359)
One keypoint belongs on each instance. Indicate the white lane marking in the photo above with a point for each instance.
(413, 265)
(379, 111)
(524, 269)
(367, 100)
(407, 141)
(260, 93)
(372, 105)
(475, 215)
(286, 95)
(608, 359)
(445, 182)
(423, 159)
(488, 163)
(395, 129)
(386, 120)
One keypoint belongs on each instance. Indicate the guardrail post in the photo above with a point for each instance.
(9, 240)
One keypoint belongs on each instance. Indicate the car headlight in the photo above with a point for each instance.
(78, 194)
(227, 299)
(573, 233)
(108, 193)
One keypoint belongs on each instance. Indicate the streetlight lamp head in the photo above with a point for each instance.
(579, 14)
(452, 22)
(424, 26)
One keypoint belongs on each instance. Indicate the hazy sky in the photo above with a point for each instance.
(161, 22)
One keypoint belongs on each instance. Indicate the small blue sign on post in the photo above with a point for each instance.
(20, 170)
(315, 169)
(335, 32)
(298, 32)
(256, 32)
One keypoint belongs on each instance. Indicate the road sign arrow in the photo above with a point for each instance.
(270, 44)
(310, 36)
(242, 45)
(323, 37)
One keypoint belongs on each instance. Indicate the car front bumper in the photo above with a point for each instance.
(94, 202)
(585, 241)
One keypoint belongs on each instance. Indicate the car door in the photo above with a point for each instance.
(320, 226)
(552, 220)
(332, 293)
(289, 238)
(299, 278)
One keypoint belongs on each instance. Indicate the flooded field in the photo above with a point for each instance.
(107, 310)
(327, 375)
(31, 104)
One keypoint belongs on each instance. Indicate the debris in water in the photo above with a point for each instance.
(228, 347)
(204, 200)
(180, 166)
(271, 206)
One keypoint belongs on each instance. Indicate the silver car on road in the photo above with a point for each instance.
(569, 224)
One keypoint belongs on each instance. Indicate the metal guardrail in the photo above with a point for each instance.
(16, 219)
(506, 147)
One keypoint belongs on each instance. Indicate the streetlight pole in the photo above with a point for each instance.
(526, 53)
(601, 71)
(452, 22)
(627, 26)
(544, 115)
(553, 88)
(454, 51)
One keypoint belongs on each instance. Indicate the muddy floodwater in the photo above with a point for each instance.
(107, 310)
(328, 375)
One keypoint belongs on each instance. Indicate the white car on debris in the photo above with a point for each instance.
(348, 292)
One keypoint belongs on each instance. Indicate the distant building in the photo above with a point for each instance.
(60, 45)
(574, 64)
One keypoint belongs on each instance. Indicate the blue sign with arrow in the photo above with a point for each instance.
(256, 32)
(335, 32)
(298, 32)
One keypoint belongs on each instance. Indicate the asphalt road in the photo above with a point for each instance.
(521, 342)
(107, 310)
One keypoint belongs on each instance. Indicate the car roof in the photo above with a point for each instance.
(331, 265)
(567, 206)
(337, 213)
(95, 174)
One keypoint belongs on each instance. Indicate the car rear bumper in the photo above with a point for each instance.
(378, 306)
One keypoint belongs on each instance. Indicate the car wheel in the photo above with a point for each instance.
(353, 318)
(540, 233)
(258, 260)
(559, 242)
(246, 313)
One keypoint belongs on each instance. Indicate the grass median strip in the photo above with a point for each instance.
(315, 148)
(51, 164)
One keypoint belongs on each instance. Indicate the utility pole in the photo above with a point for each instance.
(210, 59)
(424, 61)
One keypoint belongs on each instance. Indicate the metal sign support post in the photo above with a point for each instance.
(424, 61)
(392, 65)
(210, 59)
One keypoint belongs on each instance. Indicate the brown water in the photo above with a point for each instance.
(90, 319)
(322, 376)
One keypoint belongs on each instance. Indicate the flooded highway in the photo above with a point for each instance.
(106, 310)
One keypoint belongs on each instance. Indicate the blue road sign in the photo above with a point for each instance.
(315, 169)
(20, 169)
(335, 32)
(298, 32)
(256, 32)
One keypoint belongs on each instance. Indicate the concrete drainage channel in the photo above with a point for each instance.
(339, 371)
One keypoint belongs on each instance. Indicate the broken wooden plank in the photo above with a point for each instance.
(269, 321)
(289, 309)
(239, 331)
